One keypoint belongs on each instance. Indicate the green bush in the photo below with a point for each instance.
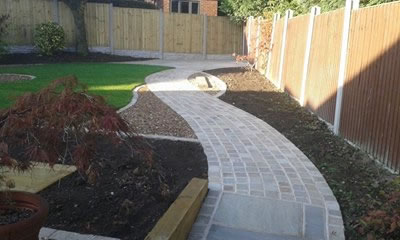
(3, 31)
(49, 38)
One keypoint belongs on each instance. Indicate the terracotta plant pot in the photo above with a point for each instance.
(26, 229)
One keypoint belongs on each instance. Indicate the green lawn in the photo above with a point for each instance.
(113, 81)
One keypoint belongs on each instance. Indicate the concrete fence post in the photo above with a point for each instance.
(314, 12)
(356, 4)
(350, 4)
(288, 15)
(56, 12)
(277, 16)
(205, 29)
(161, 32)
(258, 40)
(250, 22)
(243, 39)
(111, 27)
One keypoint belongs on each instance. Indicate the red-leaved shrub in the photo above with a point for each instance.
(60, 122)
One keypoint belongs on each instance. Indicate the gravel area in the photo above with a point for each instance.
(151, 116)
(204, 83)
(6, 78)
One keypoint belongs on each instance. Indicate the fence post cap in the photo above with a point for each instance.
(289, 13)
(315, 10)
(356, 4)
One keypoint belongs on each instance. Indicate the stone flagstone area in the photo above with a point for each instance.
(261, 185)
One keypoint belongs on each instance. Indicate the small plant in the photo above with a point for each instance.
(49, 38)
(3, 32)
(383, 220)
(61, 123)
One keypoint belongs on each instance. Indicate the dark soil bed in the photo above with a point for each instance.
(127, 199)
(64, 57)
(358, 183)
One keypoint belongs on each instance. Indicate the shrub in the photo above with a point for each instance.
(3, 31)
(49, 38)
(62, 122)
(383, 220)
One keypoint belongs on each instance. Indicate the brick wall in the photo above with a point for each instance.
(209, 7)
(165, 5)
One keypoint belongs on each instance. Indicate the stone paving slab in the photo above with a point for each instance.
(260, 214)
(223, 233)
(248, 161)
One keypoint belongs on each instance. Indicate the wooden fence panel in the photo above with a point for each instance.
(183, 33)
(128, 29)
(151, 30)
(323, 69)
(24, 16)
(223, 36)
(273, 73)
(295, 50)
(97, 25)
(371, 96)
(133, 29)
(68, 24)
(136, 29)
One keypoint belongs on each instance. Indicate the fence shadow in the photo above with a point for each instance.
(370, 115)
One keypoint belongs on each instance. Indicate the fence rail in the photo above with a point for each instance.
(367, 101)
(127, 30)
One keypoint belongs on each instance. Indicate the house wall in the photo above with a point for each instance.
(165, 5)
(207, 7)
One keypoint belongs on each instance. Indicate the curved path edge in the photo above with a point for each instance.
(220, 85)
(261, 186)
(134, 99)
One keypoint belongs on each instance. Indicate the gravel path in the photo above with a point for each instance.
(151, 116)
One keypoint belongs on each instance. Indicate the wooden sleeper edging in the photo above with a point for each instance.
(177, 222)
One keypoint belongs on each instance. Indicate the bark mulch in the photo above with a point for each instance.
(152, 116)
(128, 197)
(359, 184)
